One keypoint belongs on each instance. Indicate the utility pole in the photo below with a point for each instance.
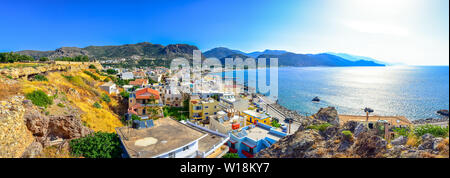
(290, 121)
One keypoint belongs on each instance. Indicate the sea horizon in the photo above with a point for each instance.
(405, 98)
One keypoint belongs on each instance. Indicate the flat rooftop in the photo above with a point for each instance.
(256, 114)
(393, 120)
(166, 135)
(258, 133)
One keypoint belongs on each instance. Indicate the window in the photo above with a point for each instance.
(185, 148)
(206, 107)
(172, 155)
(206, 113)
(250, 150)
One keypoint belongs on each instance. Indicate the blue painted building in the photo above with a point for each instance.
(252, 139)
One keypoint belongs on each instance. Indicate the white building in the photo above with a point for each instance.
(109, 87)
(171, 139)
(127, 76)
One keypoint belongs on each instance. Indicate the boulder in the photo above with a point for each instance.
(443, 112)
(328, 114)
(45, 128)
(427, 142)
(399, 140)
(360, 128)
(369, 145)
(33, 150)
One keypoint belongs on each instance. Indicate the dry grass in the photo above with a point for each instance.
(87, 93)
(8, 90)
(443, 147)
(54, 152)
(413, 141)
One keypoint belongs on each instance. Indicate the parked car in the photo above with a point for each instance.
(287, 120)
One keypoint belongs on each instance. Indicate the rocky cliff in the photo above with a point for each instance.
(38, 68)
(318, 138)
(128, 51)
(14, 135)
(27, 130)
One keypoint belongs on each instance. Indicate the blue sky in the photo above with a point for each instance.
(408, 31)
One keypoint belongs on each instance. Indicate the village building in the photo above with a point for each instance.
(167, 138)
(109, 87)
(145, 103)
(202, 109)
(251, 139)
(171, 96)
(127, 76)
(253, 117)
(139, 74)
(234, 102)
(139, 82)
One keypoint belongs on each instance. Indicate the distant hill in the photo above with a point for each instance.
(158, 54)
(148, 54)
(309, 60)
(357, 58)
(286, 58)
(267, 51)
(221, 52)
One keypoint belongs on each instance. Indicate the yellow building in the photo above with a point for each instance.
(253, 117)
(201, 109)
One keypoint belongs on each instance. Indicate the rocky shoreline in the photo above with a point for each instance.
(430, 120)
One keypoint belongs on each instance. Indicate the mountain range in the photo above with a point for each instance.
(286, 58)
(149, 54)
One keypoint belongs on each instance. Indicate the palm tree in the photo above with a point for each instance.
(368, 111)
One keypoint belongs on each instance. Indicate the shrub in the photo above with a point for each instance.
(60, 105)
(275, 123)
(230, 155)
(76, 80)
(177, 113)
(39, 98)
(92, 66)
(95, 77)
(401, 131)
(106, 80)
(40, 78)
(347, 134)
(111, 71)
(320, 127)
(97, 105)
(106, 98)
(97, 145)
(135, 117)
(124, 94)
(434, 130)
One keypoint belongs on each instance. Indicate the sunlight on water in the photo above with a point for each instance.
(414, 92)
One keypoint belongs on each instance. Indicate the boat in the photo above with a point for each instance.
(316, 99)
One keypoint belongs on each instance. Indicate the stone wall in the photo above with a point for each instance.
(48, 67)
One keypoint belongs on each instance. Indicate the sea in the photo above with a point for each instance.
(415, 92)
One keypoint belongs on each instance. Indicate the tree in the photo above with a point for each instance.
(111, 71)
(97, 145)
(43, 59)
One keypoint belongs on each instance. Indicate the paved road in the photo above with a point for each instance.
(442, 124)
(273, 112)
